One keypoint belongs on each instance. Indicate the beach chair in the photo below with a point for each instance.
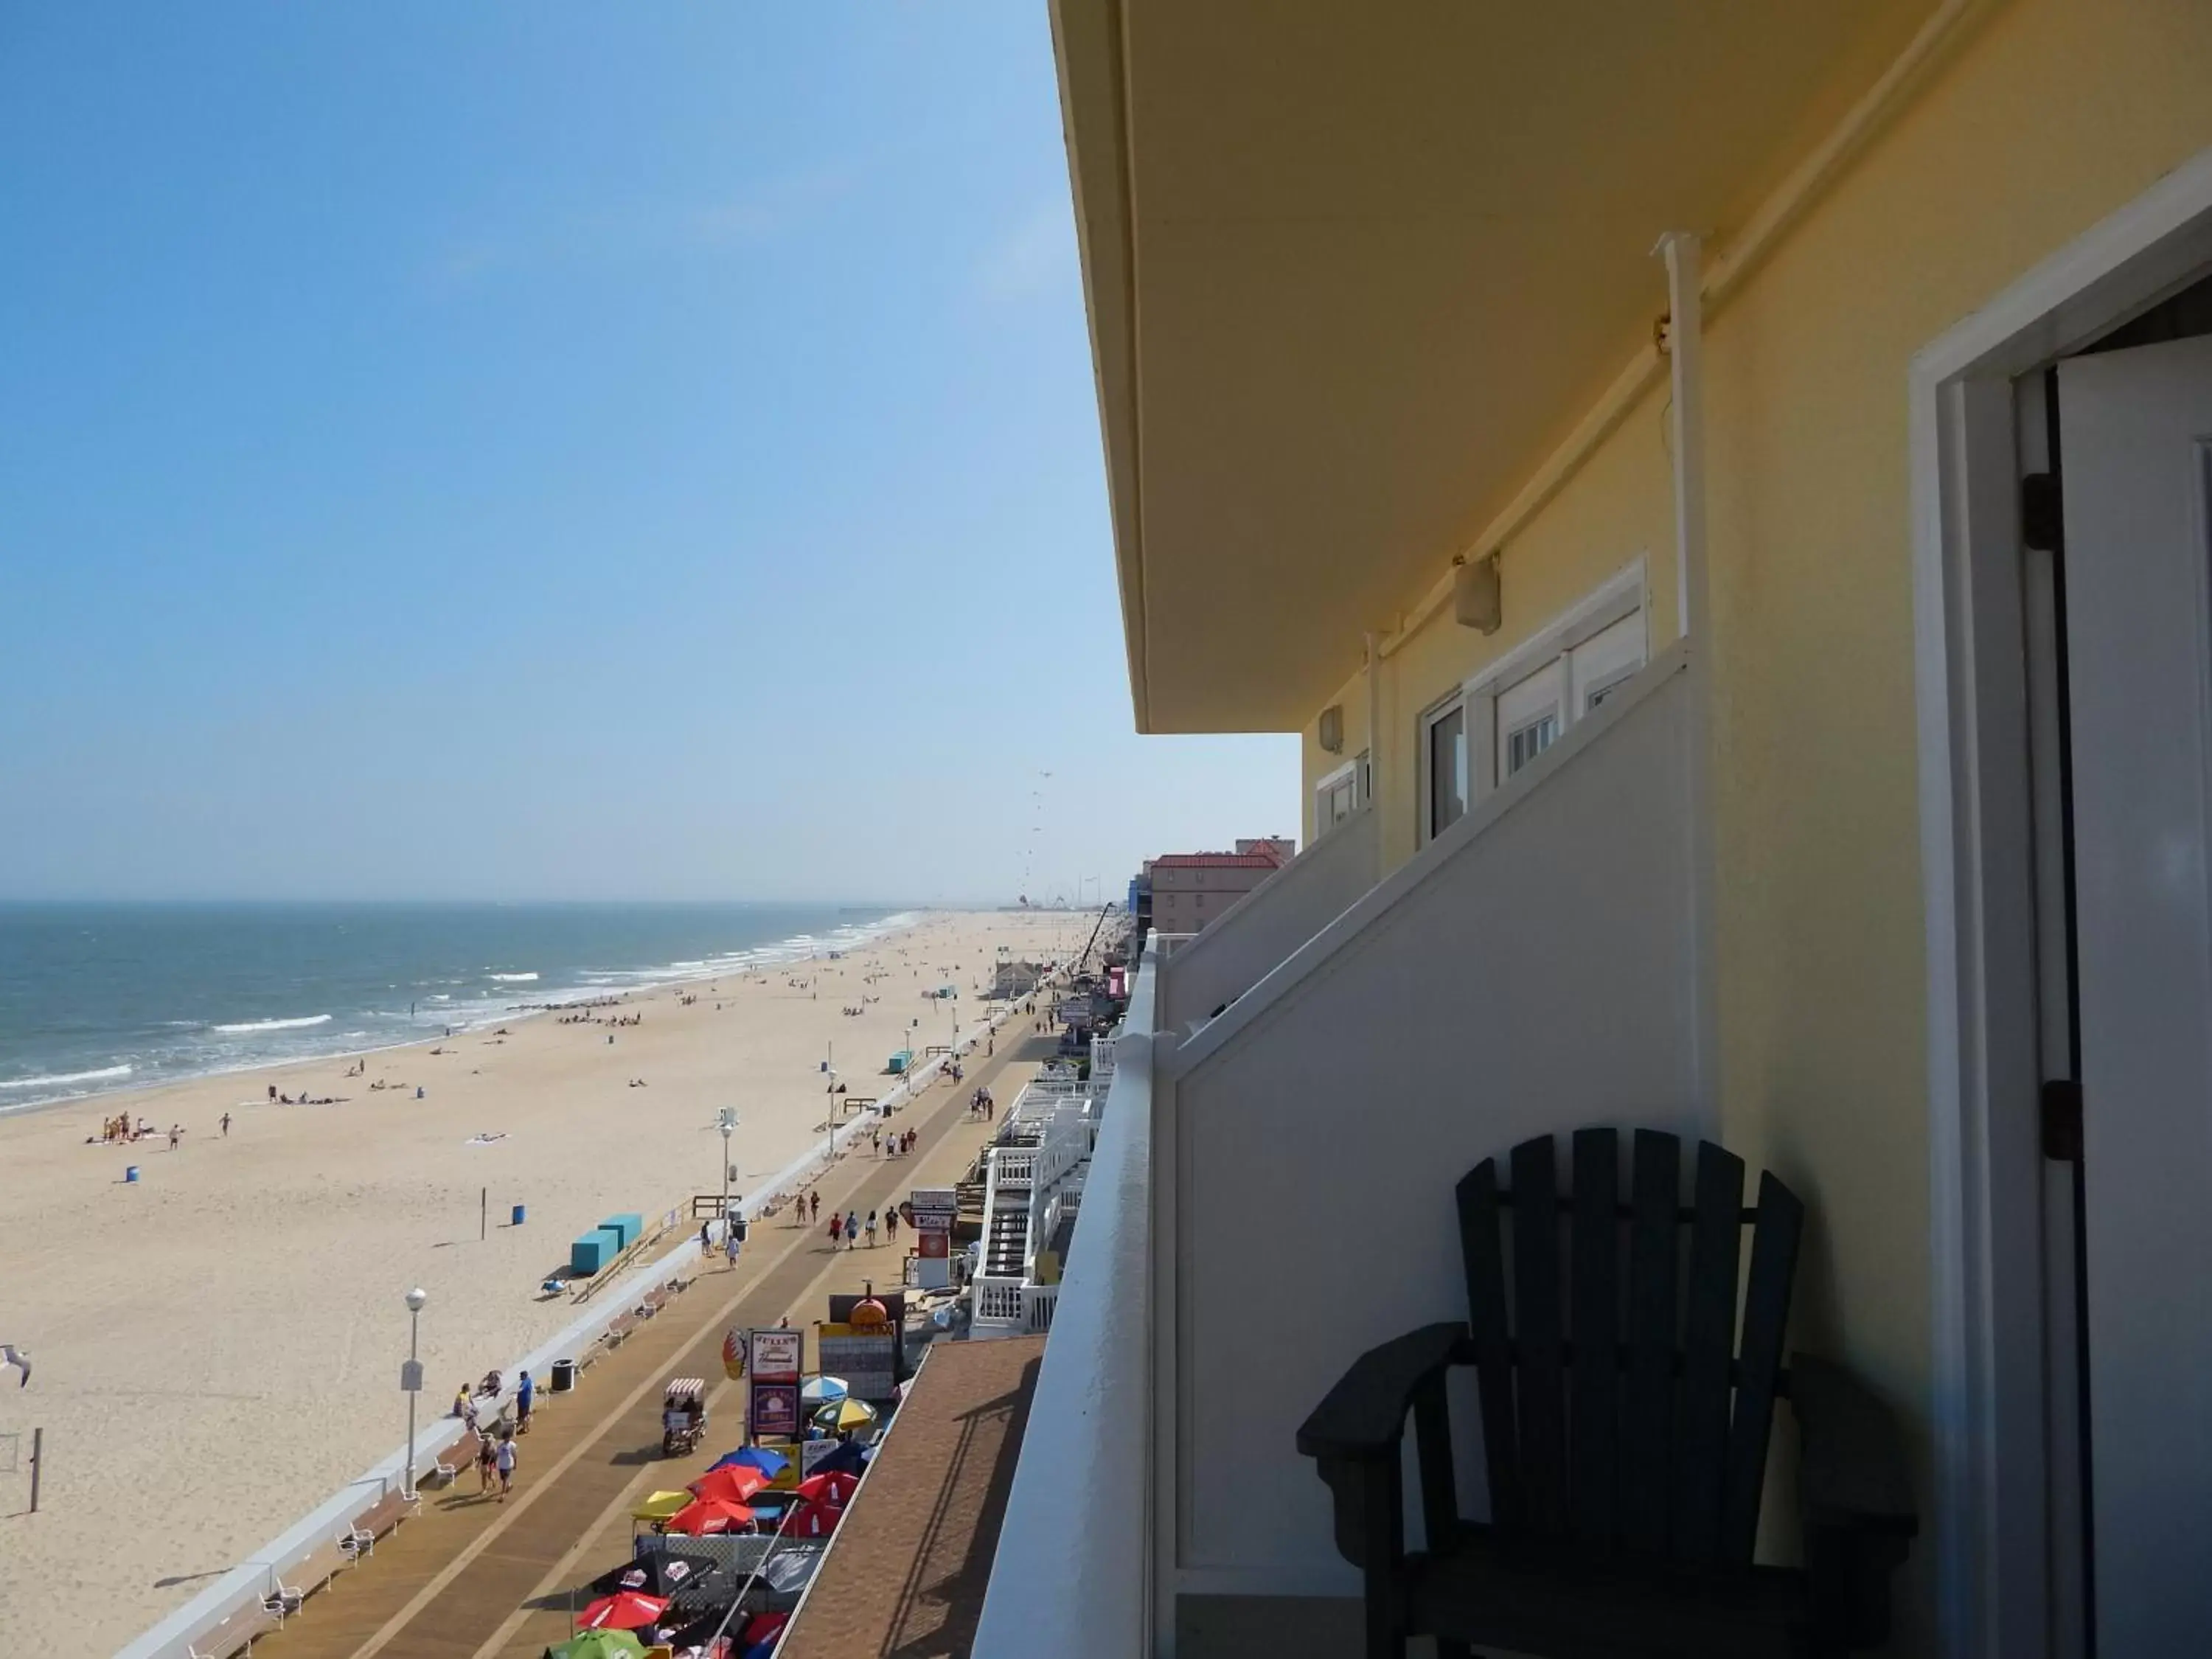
(1625, 1428)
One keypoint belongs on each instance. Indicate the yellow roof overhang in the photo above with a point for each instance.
(1351, 269)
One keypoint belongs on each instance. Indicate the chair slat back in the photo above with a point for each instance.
(1647, 1418)
(1540, 1364)
(1627, 1414)
(1483, 1260)
(1595, 1391)
(1774, 1244)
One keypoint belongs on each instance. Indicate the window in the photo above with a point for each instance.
(1340, 794)
(1502, 720)
(1445, 768)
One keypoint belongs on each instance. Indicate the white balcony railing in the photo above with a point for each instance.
(1205, 971)
(1078, 1588)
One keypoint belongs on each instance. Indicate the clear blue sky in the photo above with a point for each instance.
(559, 450)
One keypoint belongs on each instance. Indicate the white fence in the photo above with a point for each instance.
(1216, 966)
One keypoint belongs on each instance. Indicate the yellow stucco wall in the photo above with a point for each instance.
(2050, 116)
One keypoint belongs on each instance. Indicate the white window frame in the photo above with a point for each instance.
(1425, 802)
(1354, 771)
(1627, 592)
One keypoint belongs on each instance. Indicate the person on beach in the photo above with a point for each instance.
(505, 1462)
(525, 1396)
(225, 1126)
(836, 1228)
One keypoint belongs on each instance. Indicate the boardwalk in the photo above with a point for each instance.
(472, 1579)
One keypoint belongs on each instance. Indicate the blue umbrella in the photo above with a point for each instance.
(769, 1463)
(824, 1390)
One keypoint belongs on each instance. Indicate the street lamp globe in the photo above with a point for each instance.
(415, 1298)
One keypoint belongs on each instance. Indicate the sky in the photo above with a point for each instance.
(560, 451)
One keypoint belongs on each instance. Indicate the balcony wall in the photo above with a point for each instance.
(1254, 936)
(1532, 970)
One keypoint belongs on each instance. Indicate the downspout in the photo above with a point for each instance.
(1366, 786)
(1686, 360)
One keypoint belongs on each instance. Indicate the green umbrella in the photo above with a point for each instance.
(597, 1644)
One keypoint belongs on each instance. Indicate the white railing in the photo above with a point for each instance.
(998, 1304)
(1012, 1165)
(1248, 940)
(1080, 1591)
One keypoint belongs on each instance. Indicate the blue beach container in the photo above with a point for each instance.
(130, 1172)
(628, 1226)
(516, 1221)
(592, 1252)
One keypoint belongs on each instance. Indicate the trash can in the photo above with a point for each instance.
(564, 1376)
(130, 1172)
(516, 1221)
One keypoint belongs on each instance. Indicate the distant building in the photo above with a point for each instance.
(1188, 890)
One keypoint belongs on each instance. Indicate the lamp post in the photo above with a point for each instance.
(726, 1121)
(410, 1382)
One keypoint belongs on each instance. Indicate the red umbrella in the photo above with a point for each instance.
(764, 1625)
(835, 1489)
(810, 1520)
(732, 1483)
(624, 1610)
(709, 1515)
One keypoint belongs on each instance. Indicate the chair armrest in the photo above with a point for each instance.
(1363, 1416)
(1852, 1470)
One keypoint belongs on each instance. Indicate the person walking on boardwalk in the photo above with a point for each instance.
(487, 1457)
(506, 1462)
(872, 1230)
(817, 1207)
(525, 1396)
(836, 1229)
(891, 1226)
(852, 1228)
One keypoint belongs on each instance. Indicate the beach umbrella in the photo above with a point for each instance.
(769, 1463)
(821, 1390)
(732, 1483)
(624, 1610)
(835, 1489)
(843, 1414)
(765, 1627)
(663, 1572)
(808, 1519)
(710, 1515)
(597, 1645)
(851, 1457)
(661, 1505)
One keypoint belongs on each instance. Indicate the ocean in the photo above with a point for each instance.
(96, 997)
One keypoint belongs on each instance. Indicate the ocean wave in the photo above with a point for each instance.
(512, 979)
(247, 1025)
(59, 1078)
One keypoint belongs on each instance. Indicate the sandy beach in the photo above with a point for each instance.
(216, 1346)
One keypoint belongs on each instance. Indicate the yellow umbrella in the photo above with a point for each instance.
(661, 1506)
(846, 1414)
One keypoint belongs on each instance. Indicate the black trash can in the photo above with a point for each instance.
(564, 1376)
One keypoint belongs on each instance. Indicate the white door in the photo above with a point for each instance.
(2135, 458)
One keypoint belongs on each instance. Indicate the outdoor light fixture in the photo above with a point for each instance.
(1475, 599)
(1332, 729)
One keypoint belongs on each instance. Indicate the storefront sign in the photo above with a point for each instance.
(775, 1355)
(772, 1412)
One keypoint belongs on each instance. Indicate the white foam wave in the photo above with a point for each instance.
(512, 979)
(60, 1079)
(246, 1026)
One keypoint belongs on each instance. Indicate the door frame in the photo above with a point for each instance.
(1978, 881)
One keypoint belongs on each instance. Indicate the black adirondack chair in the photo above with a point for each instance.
(1626, 1436)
